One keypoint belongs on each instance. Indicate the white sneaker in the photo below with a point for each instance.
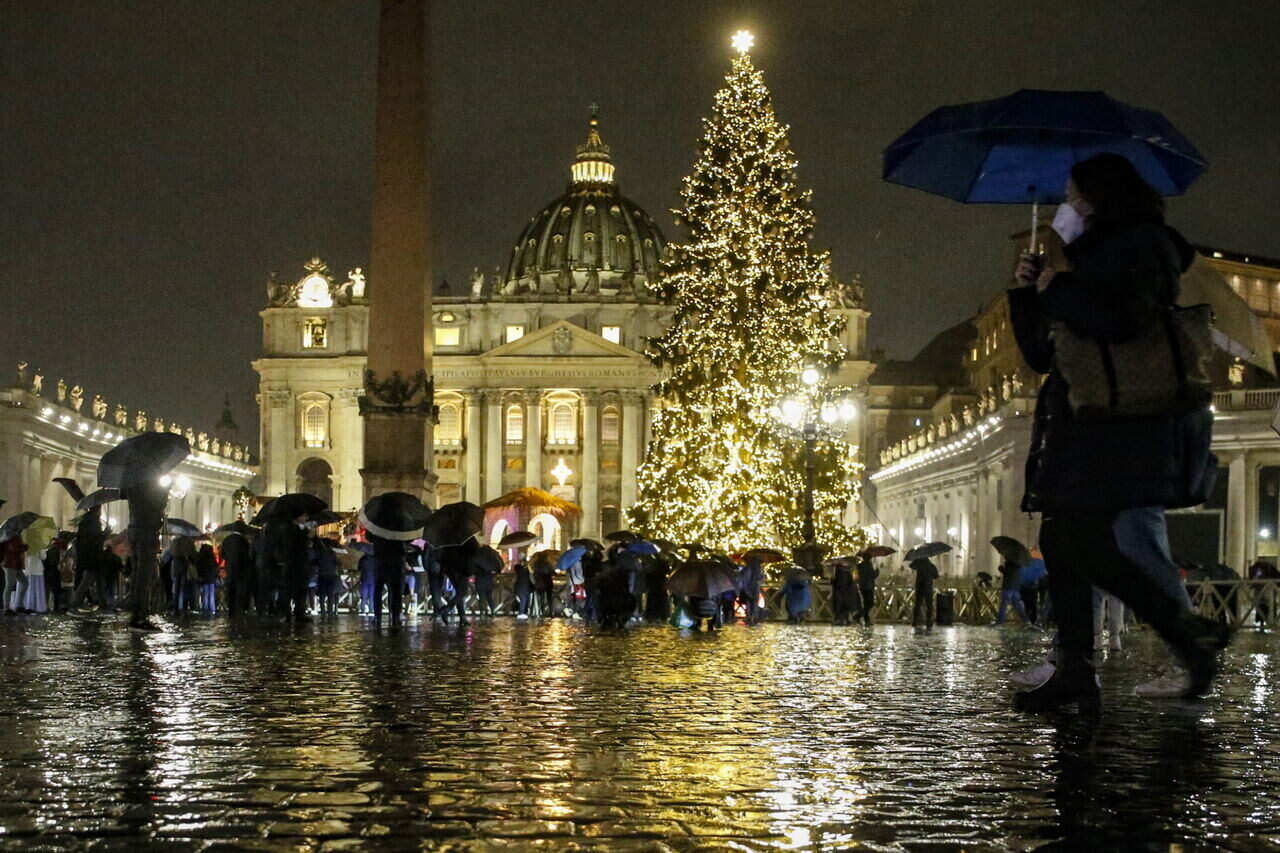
(1034, 677)
(1169, 684)
(523, 616)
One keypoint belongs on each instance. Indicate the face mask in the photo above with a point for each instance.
(1068, 223)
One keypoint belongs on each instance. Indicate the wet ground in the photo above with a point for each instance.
(216, 736)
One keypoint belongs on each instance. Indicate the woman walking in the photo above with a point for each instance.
(1081, 474)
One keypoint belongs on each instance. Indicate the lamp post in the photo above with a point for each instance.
(813, 418)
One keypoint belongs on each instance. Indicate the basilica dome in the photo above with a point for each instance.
(590, 241)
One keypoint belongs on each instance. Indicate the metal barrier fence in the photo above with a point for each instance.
(1238, 603)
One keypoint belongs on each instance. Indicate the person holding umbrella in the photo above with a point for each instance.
(392, 520)
(1015, 558)
(1083, 473)
(846, 598)
(485, 565)
(796, 595)
(237, 556)
(922, 609)
(867, 574)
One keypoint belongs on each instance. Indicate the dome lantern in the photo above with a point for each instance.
(593, 165)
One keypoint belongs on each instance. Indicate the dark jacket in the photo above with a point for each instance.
(867, 574)
(89, 539)
(237, 554)
(926, 573)
(206, 565)
(1010, 577)
(1123, 275)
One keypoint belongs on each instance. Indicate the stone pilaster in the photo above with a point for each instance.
(533, 439)
(590, 478)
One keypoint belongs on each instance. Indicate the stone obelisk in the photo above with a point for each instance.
(397, 405)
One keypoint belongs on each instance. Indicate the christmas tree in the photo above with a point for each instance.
(751, 314)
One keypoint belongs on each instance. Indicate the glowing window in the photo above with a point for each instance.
(612, 334)
(313, 425)
(514, 333)
(448, 336)
(515, 424)
(315, 333)
(610, 426)
(563, 424)
(449, 429)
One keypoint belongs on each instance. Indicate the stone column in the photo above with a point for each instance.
(398, 404)
(278, 431)
(590, 476)
(1238, 550)
(474, 449)
(493, 444)
(632, 403)
(533, 439)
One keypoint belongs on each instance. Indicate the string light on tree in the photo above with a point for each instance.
(751, 334)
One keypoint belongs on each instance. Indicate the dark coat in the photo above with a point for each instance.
(1123, 275)
(206, 565)
(524, 580)
(1010, 577)
(926, 573)
(89, 540)
(237, 554)
(867, 574)
(843, 589)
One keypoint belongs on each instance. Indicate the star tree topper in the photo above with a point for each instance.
(742, 41)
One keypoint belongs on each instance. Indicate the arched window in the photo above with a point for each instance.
(564, 426)
(314, 425)
(515, 424)
(610, 426)
(315, 477)
(449, 430)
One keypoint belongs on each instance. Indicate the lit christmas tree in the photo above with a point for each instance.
(751, 314)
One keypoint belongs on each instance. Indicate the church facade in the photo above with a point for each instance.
(540, 376)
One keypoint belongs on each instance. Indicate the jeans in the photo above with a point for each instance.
(15, 589)
(1143, 536)
(1011, 598)
(1081, 550)
(391, 579)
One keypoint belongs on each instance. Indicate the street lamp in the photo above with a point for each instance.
(812, 417)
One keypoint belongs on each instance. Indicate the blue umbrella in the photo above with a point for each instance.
(568, 558)
(642, 547)
(1019, 149)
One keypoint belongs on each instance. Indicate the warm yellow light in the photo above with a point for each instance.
(811, 376)
(561, 472)
(743, 40)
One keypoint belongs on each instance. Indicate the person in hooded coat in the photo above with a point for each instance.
(795, 593)
(845, 598)
(292, 554)
(237, 556)
(1083, 475)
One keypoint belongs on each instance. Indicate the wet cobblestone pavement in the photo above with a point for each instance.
(220, 736)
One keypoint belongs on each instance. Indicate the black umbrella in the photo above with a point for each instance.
(702, 579)
(924, 552)
(237, 526)
(98, 498)
(142, 459)
(518, 539)
(453, 524)
(1012, 550)
(16, 524)
(72, 487)
(589, 544)
(487, 560)
(181, 527)
(621, 536)
(395, 515)
(289, 507)
(327, 516)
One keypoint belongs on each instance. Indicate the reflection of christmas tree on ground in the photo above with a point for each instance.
(750, 299)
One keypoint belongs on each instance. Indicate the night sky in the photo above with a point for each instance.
(160, 158)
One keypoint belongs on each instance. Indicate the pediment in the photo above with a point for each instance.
(563, 339)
